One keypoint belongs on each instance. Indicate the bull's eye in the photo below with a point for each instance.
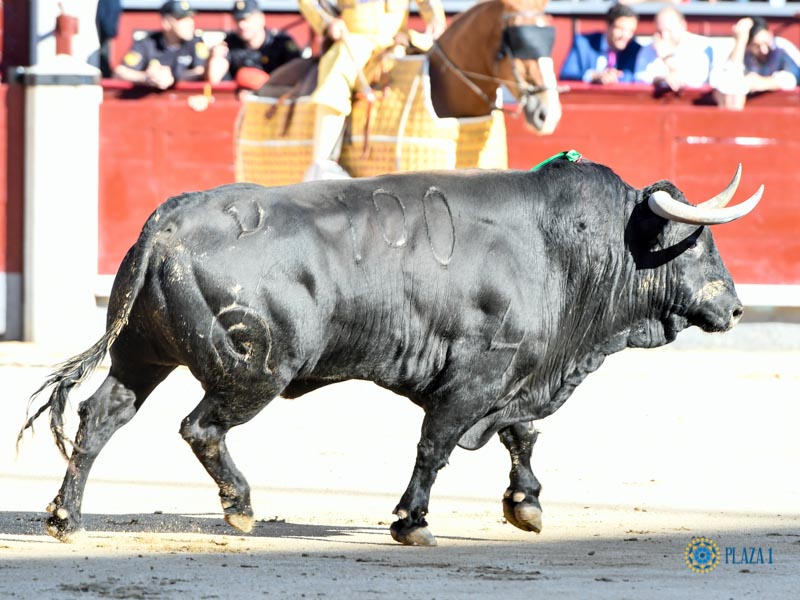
(695, 249)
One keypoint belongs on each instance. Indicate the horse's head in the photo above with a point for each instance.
(496, 42)
(527, 45)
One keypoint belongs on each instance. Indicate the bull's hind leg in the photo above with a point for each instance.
(521, 500)
(113, 405)
(205, 429)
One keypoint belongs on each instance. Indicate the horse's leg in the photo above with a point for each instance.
(521, 500)
(113, 405)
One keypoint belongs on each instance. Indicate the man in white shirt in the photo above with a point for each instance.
(676, 58)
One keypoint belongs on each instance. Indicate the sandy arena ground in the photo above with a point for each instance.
(655, 448)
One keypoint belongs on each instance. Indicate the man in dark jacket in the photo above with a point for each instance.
(176, 53)
(107, 22)
(251, 46)
(605, 57)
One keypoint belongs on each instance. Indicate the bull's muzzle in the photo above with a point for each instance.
(719, 307)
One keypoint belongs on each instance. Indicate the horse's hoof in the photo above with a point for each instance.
(243, 523)
(523, 515)
(411, 536)
(63, 529)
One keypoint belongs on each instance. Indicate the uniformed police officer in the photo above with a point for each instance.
(176, 53)
(251, 46)
(362, 29)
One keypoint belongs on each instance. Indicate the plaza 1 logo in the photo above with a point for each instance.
(702, 555)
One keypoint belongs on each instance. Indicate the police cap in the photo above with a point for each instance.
(177, 8)
(244, 8)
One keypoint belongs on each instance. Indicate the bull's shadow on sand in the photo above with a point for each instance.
(32, 523)
(168, 556)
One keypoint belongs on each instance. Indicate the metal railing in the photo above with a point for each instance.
(790, 8)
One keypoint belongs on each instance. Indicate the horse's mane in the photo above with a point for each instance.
(476, 16)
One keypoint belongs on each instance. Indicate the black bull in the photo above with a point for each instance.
(483, 297)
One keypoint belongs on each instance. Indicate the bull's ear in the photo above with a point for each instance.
(652, 239)
(652, 225)
(662, 186)
(644, 226)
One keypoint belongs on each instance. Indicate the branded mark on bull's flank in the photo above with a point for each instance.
(440, 225)
(249, 217)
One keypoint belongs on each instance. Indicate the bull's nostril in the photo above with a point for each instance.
(737, 313)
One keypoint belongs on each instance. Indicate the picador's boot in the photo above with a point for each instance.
(328, 129)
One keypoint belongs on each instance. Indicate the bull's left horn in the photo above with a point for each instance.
(722, 199)
(664, 205)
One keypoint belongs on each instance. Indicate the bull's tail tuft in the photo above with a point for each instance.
(66, 376)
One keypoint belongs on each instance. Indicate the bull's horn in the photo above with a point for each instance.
(664, 205)
(722, 199)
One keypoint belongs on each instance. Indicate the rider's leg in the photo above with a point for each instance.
(339, 70)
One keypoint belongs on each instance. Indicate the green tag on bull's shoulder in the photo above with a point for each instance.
(570, 155)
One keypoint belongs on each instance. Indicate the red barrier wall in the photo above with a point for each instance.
(156, 146)
(153, 147)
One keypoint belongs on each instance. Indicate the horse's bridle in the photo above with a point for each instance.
(526, 42)
(464, 76)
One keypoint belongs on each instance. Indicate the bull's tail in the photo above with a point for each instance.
(77, 369)
(66, 376)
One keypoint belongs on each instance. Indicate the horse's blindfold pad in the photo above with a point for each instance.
(529, 42)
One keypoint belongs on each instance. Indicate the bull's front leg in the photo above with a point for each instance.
(521, 500)
(439, 438)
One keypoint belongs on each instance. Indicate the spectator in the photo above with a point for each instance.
(362, 30)
(676, 58)
(176, 53)
(759, 62)
(631, 2)
(252, 46)
(605, 57)
(107, 22)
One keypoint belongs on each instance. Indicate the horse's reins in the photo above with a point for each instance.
(464, 76)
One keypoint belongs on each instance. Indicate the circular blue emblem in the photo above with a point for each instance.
(702, 555)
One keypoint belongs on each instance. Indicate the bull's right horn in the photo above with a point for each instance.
(664, 205)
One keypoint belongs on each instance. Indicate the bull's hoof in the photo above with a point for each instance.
(62, 527)
(243, 523)
(410, 535)
(523, 512)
